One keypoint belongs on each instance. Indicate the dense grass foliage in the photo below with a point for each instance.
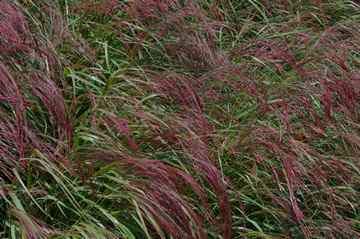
(179, 119)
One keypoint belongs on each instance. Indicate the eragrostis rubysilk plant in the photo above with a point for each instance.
(179, 119)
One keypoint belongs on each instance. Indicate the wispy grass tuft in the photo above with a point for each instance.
(179, 119)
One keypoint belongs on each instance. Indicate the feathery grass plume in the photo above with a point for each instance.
(34, 115)
(297, 137)
(173, 130)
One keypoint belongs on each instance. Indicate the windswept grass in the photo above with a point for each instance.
(179, 119)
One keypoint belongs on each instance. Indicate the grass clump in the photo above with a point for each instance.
(179, 119)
